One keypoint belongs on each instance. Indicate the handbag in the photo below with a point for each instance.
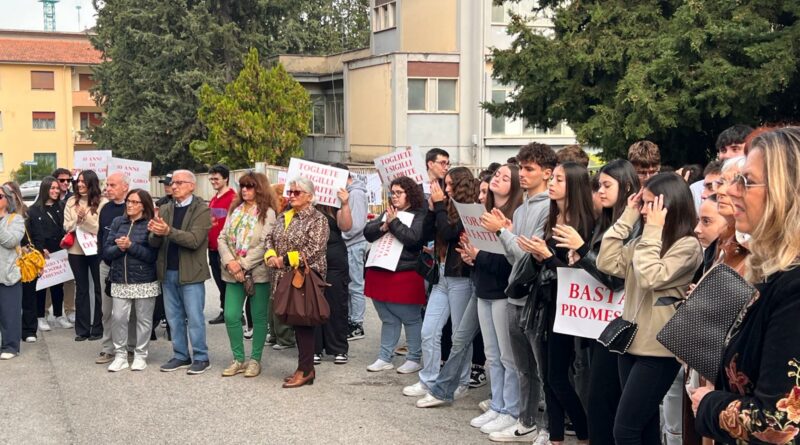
(428, 268)
(68, 240)
(299, 298)
(30, 260)
(249, 284)
(619, 334)
(696, 332)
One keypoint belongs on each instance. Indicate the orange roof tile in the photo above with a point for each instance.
(47, 51)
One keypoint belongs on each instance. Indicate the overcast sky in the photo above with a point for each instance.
(28, 14)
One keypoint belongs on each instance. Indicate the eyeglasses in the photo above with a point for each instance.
(741, 181)
(443, 163)
(247, 186)
(132, 202)
(180, 183)
(647, 173)
(63, 179)
(295, 193)
(397, 193)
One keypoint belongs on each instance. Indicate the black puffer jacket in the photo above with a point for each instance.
(410, 237)
(46, 226)
(137, 263)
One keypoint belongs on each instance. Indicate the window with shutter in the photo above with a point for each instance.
(42, 80)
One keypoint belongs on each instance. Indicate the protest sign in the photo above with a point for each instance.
(584, 306)
(87, 241)
(56, 271)
(138, 172)
(327, 180)
(374, 186)
(402, 162)
(282, 177)
(385, 252)
(481, 238)
(96, 160)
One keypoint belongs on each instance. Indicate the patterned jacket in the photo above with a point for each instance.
(295, 233)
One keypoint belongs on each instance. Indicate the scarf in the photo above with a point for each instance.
(239, 226)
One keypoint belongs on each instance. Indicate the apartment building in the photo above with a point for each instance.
(45, 105)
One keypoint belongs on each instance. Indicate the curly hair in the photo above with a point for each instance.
(413, 191)
(463, 191)
(265, 195)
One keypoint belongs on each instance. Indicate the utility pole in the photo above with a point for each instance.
(49, 7)
(78, 7)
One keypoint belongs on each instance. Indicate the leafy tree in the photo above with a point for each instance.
(157, 55)
(35, 173)
(263, 115)
(677, 72)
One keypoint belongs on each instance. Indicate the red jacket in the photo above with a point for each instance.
(219, 207)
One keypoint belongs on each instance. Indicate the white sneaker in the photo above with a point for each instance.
(139, 364)
(517, 433)
(7, 356)
(50, 317)
(499, 423)
(461, 391)
(418, 389)
(543, 438)
(379, 366)
(484, 405)
(64, 323)
(118, 364)
(71, 317)
(44, 326)
(484, 418)
(30, 339)
(409, 367)
(429, 401)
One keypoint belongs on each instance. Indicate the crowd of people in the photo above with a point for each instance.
(635, 225)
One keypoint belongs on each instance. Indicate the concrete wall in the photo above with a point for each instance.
(433, 130)
(384, 42)
(429, 26)
(369, 111)
(324, 149)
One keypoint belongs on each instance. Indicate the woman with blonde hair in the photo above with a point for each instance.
(756, 397)
(12, 229)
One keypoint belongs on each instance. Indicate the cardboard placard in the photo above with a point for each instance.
(584, 306)
(327, 180)
(385, 252)
(56, 271)
(374, 187)
(481, 238)
(138, 172)
(87, 241)
(402, 162)
(96, 160)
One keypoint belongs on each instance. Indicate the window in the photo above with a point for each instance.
(499, 14)
(48, 159)
(317, 114)
(417, 94)
(383, 15)
(498, 123)
(44, 120)
(2, 163)
(42, 80)
(85, 82)
(334, 114)
(90, 120)
(446, 95)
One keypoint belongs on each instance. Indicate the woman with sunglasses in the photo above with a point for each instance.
(134, 285)
(12, 230)
(756, 398)
(301, 231)
(82, 211)
(241, 249)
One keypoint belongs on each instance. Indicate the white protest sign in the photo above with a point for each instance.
(584, 306)
(138, 172)
(402, 162)
(282, 177)
(481, 238)
(385, 252)
(56, 271)
(327, 180)
(96, 160)
(374, 187)
(87, 241)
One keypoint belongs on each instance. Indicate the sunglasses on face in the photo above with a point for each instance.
(63, 180)
(295, 193)
(247, 186)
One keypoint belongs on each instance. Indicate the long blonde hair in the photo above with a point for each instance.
(775, 243)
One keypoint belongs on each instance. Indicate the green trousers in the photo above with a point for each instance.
(259, 308)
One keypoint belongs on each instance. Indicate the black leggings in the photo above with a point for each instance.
(645, 381)
(56, 297)
(560, 396)
(604, 393)
(87, 322)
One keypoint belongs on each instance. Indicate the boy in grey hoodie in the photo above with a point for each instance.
(537, 162)
(358, 201)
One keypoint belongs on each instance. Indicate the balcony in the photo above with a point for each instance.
(82, 138)
(83, 99)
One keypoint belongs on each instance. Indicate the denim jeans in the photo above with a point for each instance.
(449, 377)
(673, 411)
(448, 298)
(393, 317)
(184, 303)
(528, 358)
(493, 317)
(355, 262)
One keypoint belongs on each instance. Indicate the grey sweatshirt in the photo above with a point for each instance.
(12, 229)
(529, 220)
(359, 206)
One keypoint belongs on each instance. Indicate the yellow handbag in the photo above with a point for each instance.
(29, 260)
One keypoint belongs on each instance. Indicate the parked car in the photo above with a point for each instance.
(30, 189)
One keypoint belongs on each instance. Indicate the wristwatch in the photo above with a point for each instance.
(500, 231)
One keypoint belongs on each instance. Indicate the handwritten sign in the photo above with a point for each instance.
(374, 186)
(327, 180)
(402, 162)
(584, 306)
(96, 160)
(137, 172)
(481, 238)
(282, 177)
(385, 252)
(87, 241)
(56, 271)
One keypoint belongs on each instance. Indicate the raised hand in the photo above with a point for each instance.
(635, 200)
(567, 237)
(657, 213)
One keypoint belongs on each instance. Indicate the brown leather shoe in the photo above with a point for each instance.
(298, 380)
(104, 358)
